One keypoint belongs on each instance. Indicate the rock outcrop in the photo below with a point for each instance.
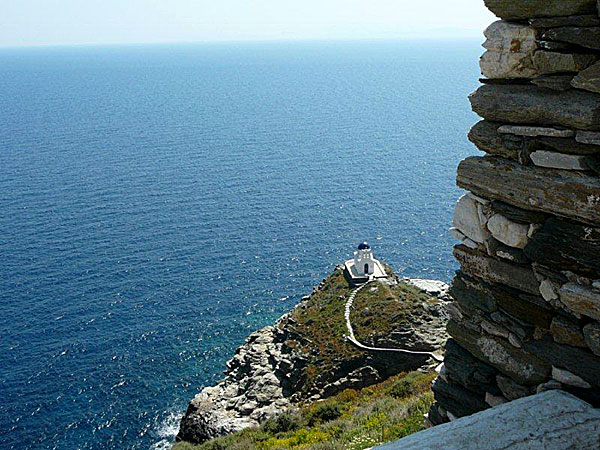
(526, 311)
(305, 356)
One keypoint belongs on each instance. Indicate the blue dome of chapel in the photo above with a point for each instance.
(363, 246)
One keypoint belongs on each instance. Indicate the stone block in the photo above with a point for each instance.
(527, 9)
(546, 62)
(554, 82)
(588, 20)
(579, 361)
(458, 400)
(554, 160)
(588, 79)
(566, 377)
(508, 232)
(478, 265)
(588, 37)
(566, 193)
(522, 366)
(511, 389)
(485, 136)
(581, 299)
(565, 245)
(522, 130)
(565, 331)
(467, 220)
(591, 333)
(533, 105)
(510, 48)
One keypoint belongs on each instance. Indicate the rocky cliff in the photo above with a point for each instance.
(526, 316)
(305, 356)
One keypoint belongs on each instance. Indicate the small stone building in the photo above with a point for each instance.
(364, 266)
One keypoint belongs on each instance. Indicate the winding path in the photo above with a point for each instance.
(354, 341)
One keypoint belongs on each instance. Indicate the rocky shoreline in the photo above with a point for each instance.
(268, 373)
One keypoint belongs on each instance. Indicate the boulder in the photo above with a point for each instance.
(529, 104)
(588, 79)
(528, 9)
(588, 37)
(510, 49)
(548, 62)
(553, 420)
(581, 299)
(508, 232)
(566, 193)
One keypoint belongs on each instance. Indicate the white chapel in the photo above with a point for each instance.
(364, 266)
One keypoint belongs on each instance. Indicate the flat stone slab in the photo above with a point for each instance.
(552, 420)
(571, 194)
(529, 9)
(534, 105)
(523, 130)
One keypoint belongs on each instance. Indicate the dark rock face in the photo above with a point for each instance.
(527, 9)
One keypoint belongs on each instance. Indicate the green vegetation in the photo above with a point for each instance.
(321, 327)
(379, 309)
(351, 420)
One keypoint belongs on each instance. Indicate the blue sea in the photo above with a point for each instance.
(159, 203)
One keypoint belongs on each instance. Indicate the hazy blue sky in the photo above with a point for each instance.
(52, 22)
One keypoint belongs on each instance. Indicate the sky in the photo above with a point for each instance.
(74, 22)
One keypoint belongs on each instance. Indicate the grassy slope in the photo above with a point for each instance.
(380, 309)
(352, 420)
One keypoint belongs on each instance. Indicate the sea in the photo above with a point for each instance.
(158, 203)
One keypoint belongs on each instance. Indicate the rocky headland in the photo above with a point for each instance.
(305, 356)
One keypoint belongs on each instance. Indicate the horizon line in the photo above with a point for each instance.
(469, 34)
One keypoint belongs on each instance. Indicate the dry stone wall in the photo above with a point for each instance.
(526, 315)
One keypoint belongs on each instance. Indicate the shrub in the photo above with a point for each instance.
(407, 386)
(324, 412)
(283, 423)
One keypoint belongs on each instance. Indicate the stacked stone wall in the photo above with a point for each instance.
(526, 311)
